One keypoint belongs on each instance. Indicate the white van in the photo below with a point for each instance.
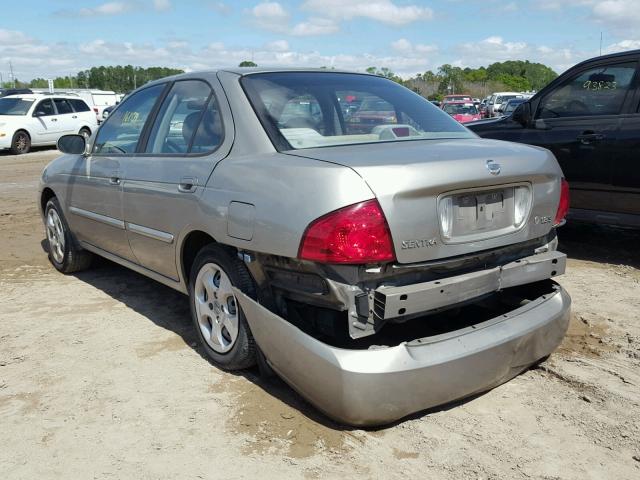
(98, 100)
(498, 98)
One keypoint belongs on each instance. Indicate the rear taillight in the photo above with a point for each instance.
(355, 234)
(563, 206)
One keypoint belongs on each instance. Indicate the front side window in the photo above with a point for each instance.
(188, 121)
(44, 108)
(14, 106)
(315, 109)
(63, 106)
(122, 129)
(597, 91)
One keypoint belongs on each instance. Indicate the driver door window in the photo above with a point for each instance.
(597, 91)
(44, 108)
(122, 129)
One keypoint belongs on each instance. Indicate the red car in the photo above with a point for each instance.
(463, 112)
(457, 98)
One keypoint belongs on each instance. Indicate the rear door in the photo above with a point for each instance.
(95, 190)
(67, 119)
(165, 180)
(579, 121)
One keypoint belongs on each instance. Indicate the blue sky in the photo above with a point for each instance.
(47, 38)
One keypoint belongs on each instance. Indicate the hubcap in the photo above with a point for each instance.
(21, 142)
(216, 308)
(55, 235)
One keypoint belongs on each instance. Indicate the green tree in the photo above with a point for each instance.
(247, 63)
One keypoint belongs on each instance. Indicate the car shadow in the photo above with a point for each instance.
(600, 243)
(169, 309)
(8, 153)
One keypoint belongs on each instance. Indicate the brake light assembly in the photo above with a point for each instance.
(357, 234)
(563, 205)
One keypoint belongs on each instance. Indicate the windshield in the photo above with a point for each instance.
(511, 106)
(315, 109)
(505, 98)
(460, 109)
(14, 106)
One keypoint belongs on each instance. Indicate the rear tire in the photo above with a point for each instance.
(21, 143)
(220, 324)
(64, 254)
(85, 132)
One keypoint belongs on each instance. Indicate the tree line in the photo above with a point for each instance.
(515, 75)
(121, 79)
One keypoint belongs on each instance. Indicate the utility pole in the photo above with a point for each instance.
(600, 43)
(13, 78)
(1, 80)
(134, 81)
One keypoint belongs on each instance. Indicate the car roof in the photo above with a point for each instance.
(40, 96)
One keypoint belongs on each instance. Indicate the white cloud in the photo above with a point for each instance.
(270, 16)
(622, 46)
(405, 47)
(618, 14)
(315, 26)
(162, 5)
(109, 8)
(277, 46)
(385, 11)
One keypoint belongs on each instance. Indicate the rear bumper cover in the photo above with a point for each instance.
(375, 387)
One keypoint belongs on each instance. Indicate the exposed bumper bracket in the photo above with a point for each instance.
(392, 302)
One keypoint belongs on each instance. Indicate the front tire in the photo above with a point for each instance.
(64, 255)
(220, 324)
(85, 132)
(21, 143)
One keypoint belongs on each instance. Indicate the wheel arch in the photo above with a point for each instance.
(192, 243)
(46, 195)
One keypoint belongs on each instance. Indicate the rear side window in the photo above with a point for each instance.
(122, 129)
(79, 105)
(188, 121)
(597, 91)
(63, 106)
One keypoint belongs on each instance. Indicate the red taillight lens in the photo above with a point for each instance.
(355, 234)
(563, 206)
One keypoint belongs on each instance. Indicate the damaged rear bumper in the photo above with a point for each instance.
(378, 386)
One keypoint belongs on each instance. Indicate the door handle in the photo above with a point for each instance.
(74, 116)
(188, 184)
(115, 178)
(54, 119)
(586, 138)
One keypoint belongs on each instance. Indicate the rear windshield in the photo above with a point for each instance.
(316, 109)
(460, 109)
(14, 106)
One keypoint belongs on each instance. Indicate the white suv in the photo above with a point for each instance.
(40, 119)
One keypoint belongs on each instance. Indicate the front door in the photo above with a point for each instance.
(579, 122)
(45, 126)
(95, 191)
(164, 183)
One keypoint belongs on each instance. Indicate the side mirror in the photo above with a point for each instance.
(73, 144)
(522, 114)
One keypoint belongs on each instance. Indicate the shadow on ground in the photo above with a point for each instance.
(600, 243)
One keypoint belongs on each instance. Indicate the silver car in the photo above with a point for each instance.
(380, 266)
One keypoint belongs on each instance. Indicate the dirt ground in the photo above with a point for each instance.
(100, 377)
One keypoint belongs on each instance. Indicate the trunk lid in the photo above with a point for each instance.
(411, 180)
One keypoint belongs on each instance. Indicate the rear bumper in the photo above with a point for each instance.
(374, 387)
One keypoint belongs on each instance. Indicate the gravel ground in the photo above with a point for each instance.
(100, 377)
